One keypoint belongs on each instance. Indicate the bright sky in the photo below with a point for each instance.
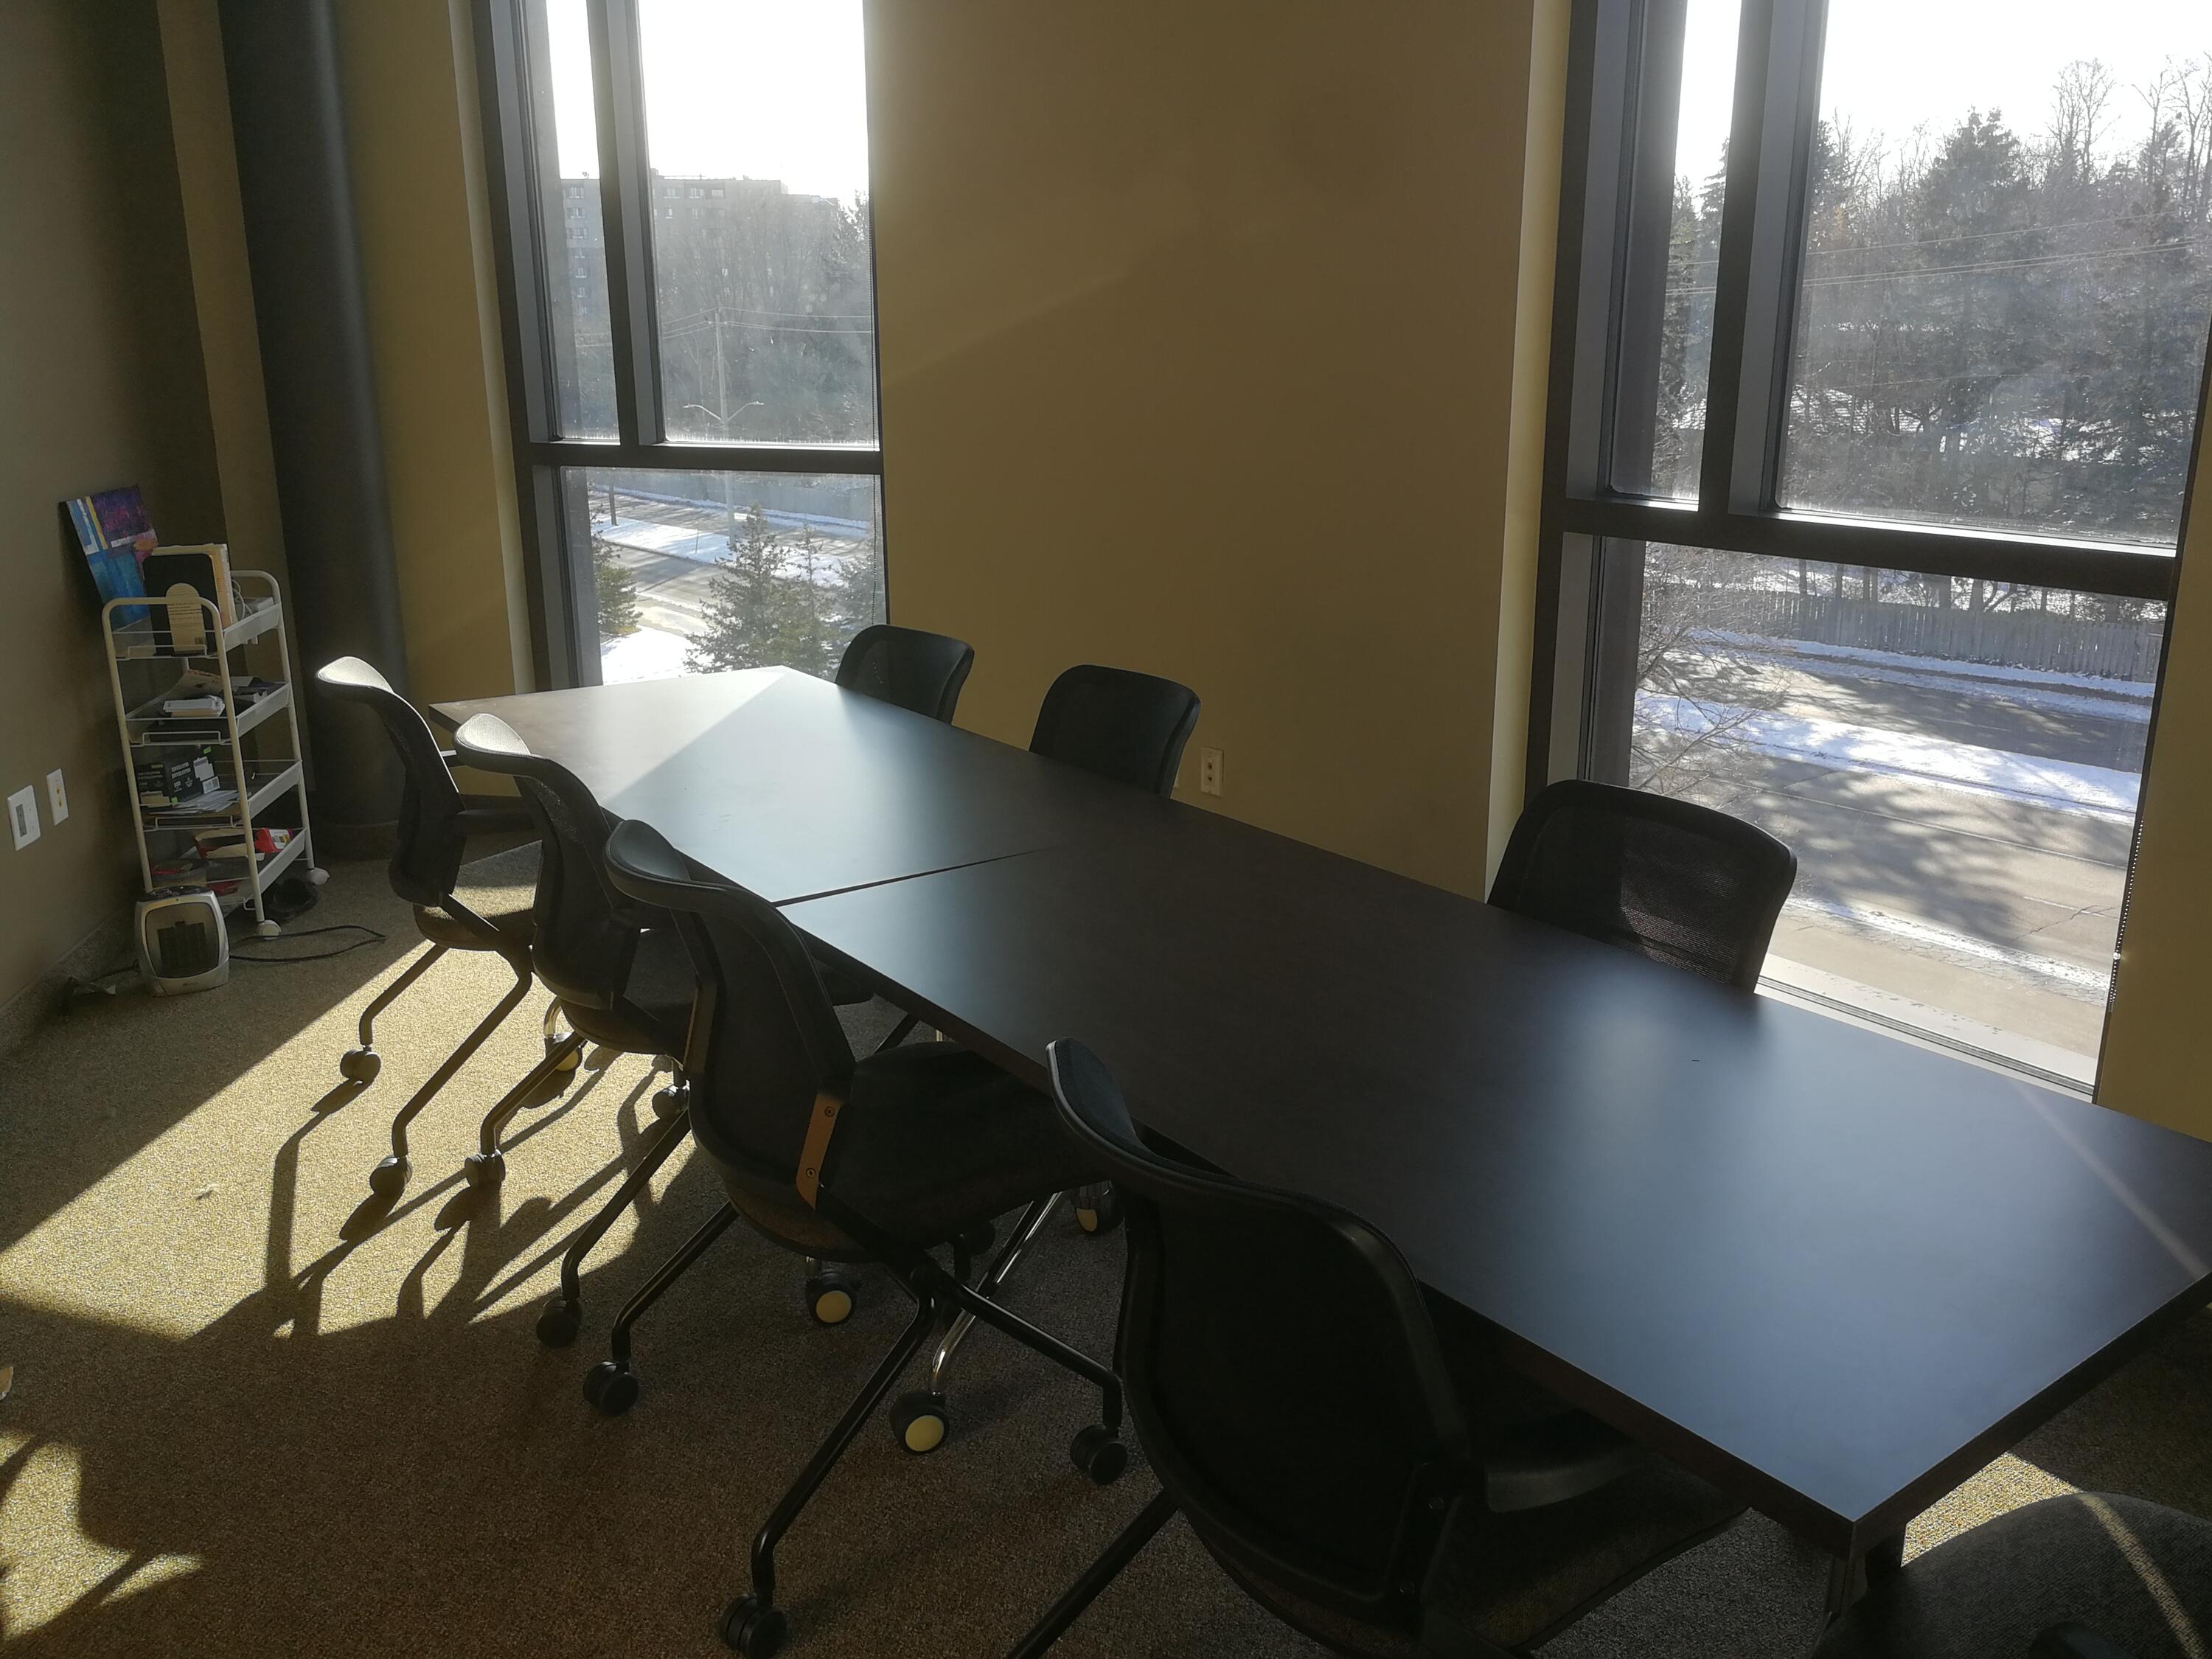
(733, 89)
(1891, 64)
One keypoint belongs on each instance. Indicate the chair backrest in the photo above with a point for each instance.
(765, 1039)
(1671, 880)
(1282, 1371)
(583, 933)
(909, 666)
(430, 841)
(1120, 724)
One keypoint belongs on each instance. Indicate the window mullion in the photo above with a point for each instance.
(626, 209)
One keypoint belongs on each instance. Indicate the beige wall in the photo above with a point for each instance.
(2156, 1060)
(101, 385)
(408, 73)
(1213, 306)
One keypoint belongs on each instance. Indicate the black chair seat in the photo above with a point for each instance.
(650, 1016)
(2138, 1575)
(1511, 1581)
(842, 987)
(510, 935)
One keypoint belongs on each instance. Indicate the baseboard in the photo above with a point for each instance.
(104, 947)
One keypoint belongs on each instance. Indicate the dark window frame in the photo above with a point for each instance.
(1623, 76)
(524, 187)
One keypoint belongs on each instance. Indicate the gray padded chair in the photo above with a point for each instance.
(2087, 1576)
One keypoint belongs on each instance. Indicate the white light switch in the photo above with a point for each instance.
(23, 815)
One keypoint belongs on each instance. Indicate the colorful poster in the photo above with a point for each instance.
(112, 529)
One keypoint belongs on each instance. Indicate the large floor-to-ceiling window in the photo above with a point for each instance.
(681, 198)
(1878, 349)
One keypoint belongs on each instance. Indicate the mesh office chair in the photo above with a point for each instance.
(878, 1159)
(435, 825)
(2087, 1576)
(1668, 879)
(1356, 1488)
(907, 666)
(1122, 724)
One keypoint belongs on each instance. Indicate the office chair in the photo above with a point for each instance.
(1668, 879)
(2087, 1576)
(435, 825)
(1361, 1488)
(907, 666)
(1122, 724)
(878, 1159)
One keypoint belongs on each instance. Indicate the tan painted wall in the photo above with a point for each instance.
(409, 72)
(2156, 1062)
(1212, 304)
(101, 385)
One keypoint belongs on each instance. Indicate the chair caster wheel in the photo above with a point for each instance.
(360, 1066)
(558, 1321)
(979, 1238)
(1099, 1455)
(484, 1170)
(389, 1178)
(610, 1388)
(568, 1062)
(669, 1102)
(753, 1630)
(831, 1296)
(922, 1421)
(1102, 1214)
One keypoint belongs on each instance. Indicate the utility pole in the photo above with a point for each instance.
(722, 401)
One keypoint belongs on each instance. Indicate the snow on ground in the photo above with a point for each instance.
(2063, 785)
(709, 546)
(2066, 977)
(650, 653)
(2033, 688)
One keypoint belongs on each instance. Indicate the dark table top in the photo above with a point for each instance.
(789, 787)
(1834, 1272)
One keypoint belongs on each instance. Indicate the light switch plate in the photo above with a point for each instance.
(23, 815)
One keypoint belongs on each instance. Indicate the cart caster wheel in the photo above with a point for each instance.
(922, 1421)
(389, 1178)
(669, 1102)
(558, 1321)
(831, 1296)
(317, 875)
(484, 1170)
(1102, 1215)
(1099, 1455)
(610, 1388)
(360, 1066)
(753, 1630)
(268, 929)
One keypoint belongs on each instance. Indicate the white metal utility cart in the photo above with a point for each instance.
(251, 781)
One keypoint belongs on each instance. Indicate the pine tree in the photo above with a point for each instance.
(755, 612)
(617, 590)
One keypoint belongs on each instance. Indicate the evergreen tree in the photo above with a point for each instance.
(616, 588)
(756, 615)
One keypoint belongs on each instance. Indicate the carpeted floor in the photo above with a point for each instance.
(250, 1418)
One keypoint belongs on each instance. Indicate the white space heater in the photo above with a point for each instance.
(183, 945)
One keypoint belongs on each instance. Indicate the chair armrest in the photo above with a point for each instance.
(2071, 1641)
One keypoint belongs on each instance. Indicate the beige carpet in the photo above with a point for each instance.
(245, 1423)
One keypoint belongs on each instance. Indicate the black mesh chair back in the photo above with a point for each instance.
(1120, 724)
(585, 932)
(909, 666)
(1669, 879)
(1282, 1371)
(431, 833)
(765, 1039)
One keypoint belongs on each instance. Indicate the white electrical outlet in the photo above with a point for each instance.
(23, 815)
(56, 796)
(1210, 771)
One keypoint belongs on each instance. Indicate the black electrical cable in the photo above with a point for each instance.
(372, 938)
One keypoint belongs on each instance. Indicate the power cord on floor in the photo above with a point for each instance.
(370, 936)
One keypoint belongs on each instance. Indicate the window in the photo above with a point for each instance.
(1879, 343)
(694, 396)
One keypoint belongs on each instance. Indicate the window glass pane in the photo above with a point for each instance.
(573, 282)
(2008, 266)
(1666, 335)
(694, 571)
(1954, 763)
(756, 126)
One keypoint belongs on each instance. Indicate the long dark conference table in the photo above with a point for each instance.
(1833, 1273)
